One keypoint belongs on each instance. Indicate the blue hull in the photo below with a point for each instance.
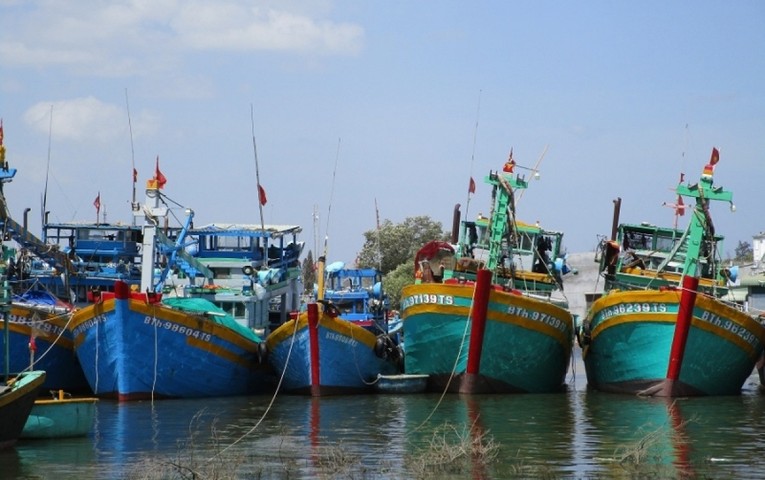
(347, 359)
(54, 349)
(132, 350)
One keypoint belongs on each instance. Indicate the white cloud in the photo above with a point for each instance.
(237, 27)
(137, 36)
(86, 120)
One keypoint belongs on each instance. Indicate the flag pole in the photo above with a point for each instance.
(133, 204)
(257, 181)
(472, 155)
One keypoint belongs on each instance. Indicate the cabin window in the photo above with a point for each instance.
(665, 244)
(638, 241)
(525, 242)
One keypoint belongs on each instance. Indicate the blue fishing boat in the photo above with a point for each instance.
(661, 328)
(358, 296)
(336, 348)
(190, 330)
(98, 253)
(37, 328)
(486, 315)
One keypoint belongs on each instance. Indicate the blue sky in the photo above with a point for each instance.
(391, 105)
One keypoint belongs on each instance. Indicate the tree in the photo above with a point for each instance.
(309, 272)
(744, 253)
(396, 280)
(395, 244)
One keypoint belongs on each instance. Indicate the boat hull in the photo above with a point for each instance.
(54, 348)
(16, 404)
(526, 346)
(630, 337)
(60, 418)
(347, 362)
(130, 350)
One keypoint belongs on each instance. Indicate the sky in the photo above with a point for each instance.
(359, 110)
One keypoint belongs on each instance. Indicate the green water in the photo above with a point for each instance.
(577, 434)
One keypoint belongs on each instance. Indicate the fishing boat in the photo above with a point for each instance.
(486, 314)
(61, 416)
(38, 337)
(17, 396)
(358, 296)
(330, 348)
(661, 328)
(99, 253)
(182, 334)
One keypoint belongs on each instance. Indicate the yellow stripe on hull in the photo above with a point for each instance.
(343, 327)
(620, 302)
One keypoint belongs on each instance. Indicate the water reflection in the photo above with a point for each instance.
(677, 438)
(579, 434)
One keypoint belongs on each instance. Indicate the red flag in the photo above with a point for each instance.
(510, 163)
(1, 131)
(97, 202)
(161, 180)
(715, 156)
(471, 186)
(135, 175)
(262, 195)
(680, 207)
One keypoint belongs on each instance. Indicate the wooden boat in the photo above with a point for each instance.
(17, 396)
(38, 336)
(321, 352)
(401, 383)
(61, 417)
(358, 296)
(660, 327)
(488, 318)
(182, 337)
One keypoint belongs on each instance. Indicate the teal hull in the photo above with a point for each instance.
(631, 340)
(60, 418)
(526, 346)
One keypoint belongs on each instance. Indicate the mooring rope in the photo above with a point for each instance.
(453, 372)
(270, 403)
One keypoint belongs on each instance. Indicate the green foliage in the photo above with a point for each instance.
(744, 252)
(395, 244)
(396, 280)
(309, 272)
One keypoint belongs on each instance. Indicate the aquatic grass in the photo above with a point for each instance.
(656, 453)
(192, 460)
(453, 450)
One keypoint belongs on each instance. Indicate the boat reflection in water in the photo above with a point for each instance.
(672, 438)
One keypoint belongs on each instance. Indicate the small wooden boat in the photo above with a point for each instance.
(17, 397)
(403, 383)
(60, 417)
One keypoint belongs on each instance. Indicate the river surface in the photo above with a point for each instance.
(576, 434)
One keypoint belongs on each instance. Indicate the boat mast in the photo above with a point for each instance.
(701, 222)
(152, 212)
